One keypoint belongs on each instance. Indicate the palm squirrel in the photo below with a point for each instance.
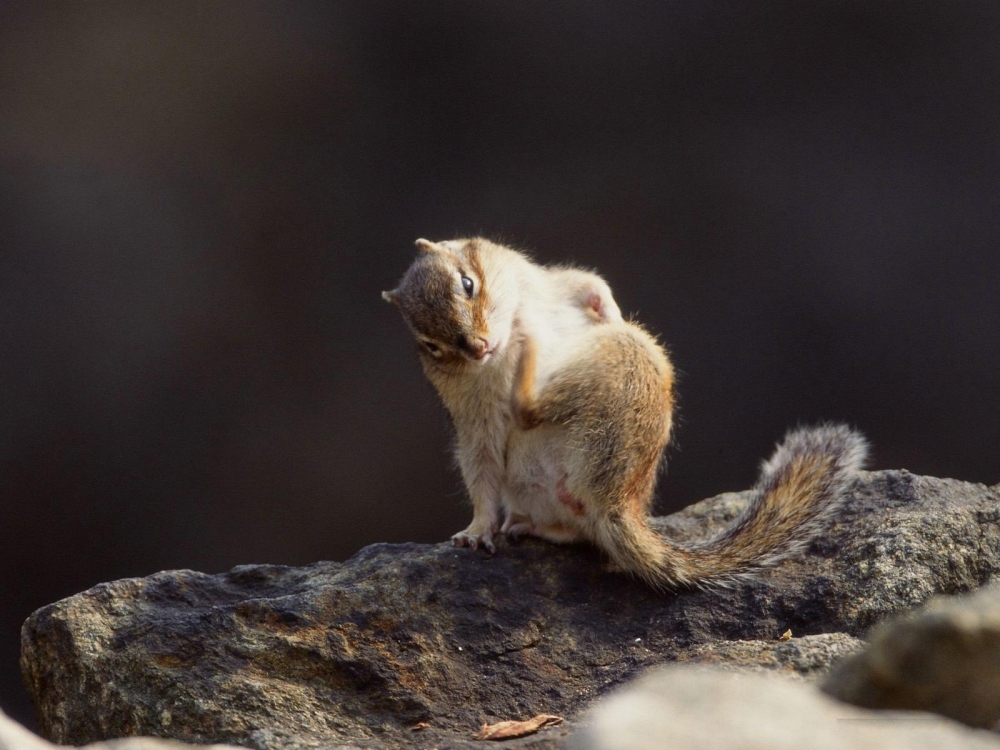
(562, 411)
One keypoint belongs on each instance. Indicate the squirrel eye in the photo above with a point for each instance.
(468, 286)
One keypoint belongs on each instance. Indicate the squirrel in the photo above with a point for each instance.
(563, 410)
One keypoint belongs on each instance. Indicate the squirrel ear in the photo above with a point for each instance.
(391, 297)
(426, 246)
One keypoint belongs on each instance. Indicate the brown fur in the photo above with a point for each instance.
(616, 404)
(482, 300)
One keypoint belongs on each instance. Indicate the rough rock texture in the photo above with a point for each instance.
(359, 652)
(944, 658)
(799, 658)
(15, 737)
(706, 709)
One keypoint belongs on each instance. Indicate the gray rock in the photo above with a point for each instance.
(357, 653)
(699, 708)
(944, 658)
(15, 737)
(800, 658)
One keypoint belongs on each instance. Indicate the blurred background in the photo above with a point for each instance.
(201, 201)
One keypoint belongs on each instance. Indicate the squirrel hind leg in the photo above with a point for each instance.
(557, 533)
(523, 403)
(517, 525)
(554, 532)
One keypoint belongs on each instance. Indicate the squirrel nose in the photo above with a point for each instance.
(479, 348)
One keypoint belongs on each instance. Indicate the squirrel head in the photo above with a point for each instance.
(454, 300)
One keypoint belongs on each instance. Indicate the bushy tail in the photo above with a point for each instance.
(799, 488)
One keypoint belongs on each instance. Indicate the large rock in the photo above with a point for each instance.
(358, 653)
(704, 709)
(944, 658)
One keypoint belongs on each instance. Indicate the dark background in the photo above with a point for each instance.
(200, 203)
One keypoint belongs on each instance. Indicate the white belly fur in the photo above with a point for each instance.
(536, 462)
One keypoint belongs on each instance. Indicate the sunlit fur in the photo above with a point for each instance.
(514, 298)
(563, 410)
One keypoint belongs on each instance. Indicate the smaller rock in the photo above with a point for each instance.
(15, 737)
(702, 708)
(810, 657)
(943, 658)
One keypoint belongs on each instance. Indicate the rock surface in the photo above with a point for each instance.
(799, 658)
(356, 653)
(944, 658)
(706, 709)
(15, 737)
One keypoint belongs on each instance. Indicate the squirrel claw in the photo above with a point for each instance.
(516, 532)
(474, 540)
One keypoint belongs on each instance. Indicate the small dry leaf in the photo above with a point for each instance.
(418, 727)
(786, 636)
(508, 730)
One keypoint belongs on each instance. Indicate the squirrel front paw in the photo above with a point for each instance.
(476, 536)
